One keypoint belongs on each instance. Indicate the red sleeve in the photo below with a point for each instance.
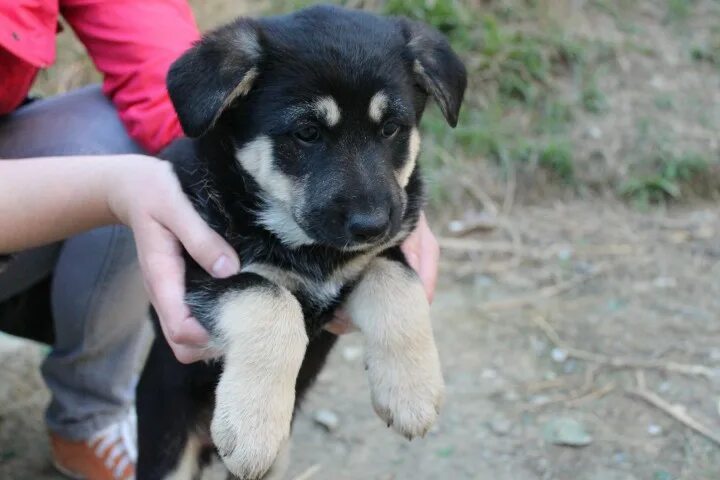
(133, 43)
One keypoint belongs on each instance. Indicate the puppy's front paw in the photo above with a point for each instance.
(264, 342)
(407, 387)
(249, 431)
(389, 306)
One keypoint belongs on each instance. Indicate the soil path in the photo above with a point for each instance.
(630, 295)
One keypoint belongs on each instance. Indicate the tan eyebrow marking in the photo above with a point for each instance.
(378, 104)
(328, 108)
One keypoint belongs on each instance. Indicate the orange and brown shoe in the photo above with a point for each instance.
(109, 455)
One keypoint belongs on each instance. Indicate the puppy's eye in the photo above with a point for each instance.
(308, 134)
(389, 129)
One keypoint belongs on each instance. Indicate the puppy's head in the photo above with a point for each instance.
(321, 108)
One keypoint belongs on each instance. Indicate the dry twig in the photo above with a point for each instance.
(541, 294)
(574, 398)
(678, 412)
(592, 394)
(621, 362)
(542, 385)
(480, 195)
(469, 245)
(309, 473)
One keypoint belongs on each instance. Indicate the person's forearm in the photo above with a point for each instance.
(46, 199)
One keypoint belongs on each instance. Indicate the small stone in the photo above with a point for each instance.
(559, 355)
(326, 419)
(473, 221)
(565, 253)
(352, 353)
(456, 226)
(488, 373)
(500, 426)
(665, 282)
(658, 82)
(567, 432)
(594, 132)
(511, 396)
(654, 430)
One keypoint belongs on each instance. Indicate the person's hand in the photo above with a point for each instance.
(146, 196)
(422, 252)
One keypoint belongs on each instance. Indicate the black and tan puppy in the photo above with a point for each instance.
(304, 158)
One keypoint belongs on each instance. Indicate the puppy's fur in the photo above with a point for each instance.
(304, 157)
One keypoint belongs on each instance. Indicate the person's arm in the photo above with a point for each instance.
(46, 199)
(133, 43)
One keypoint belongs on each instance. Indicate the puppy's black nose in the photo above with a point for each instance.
(369, 225)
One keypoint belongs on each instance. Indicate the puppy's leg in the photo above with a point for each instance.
(259, 327)
(188, 466)
(166, 410)
(390, 308)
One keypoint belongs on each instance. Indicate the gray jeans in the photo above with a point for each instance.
(98, 303)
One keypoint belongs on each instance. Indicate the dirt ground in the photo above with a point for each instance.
(559, 312)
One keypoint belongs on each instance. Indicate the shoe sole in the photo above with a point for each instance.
(67, 473)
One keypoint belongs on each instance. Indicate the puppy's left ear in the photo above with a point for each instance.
(218, 70)
(436, 67)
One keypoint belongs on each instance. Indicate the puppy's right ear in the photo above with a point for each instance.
(211, 75)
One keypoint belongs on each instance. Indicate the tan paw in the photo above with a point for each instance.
(249, 435)
(407, 391)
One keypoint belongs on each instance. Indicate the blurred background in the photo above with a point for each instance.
(576, 204)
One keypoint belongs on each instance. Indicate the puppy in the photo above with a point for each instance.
(304, 157)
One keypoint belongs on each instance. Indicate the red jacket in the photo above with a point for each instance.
(132, 42)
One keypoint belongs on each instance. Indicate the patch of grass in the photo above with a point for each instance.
(451, 17)
(710, 51)
(521, 64)
(515, 118)
(664, 177)
(617, 9)
(678, 10)
(557, 159)
(706, 54)
(554, 116)
(592, 98)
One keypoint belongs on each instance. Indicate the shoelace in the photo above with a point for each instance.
(117, 444)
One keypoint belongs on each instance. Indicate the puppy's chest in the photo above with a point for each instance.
(316, 292)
